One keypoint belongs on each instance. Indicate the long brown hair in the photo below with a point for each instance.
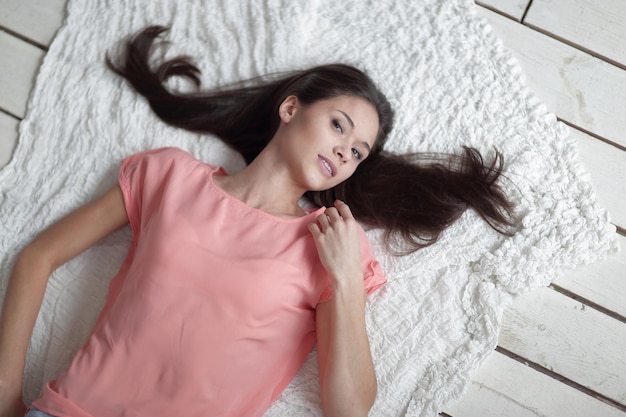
(411, 196)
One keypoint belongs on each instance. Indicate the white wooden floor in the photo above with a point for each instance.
(562, 351)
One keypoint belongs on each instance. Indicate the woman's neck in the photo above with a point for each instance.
(266, 185)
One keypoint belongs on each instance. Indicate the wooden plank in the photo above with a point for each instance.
(602, 283)
(607, 166)
(595, 25)
(569, 338)
(512, 8)
(585, 91)
(18, 69)
(37, 20)
(505, 387)
(8, 137)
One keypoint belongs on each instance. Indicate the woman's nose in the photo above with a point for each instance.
(342, 153)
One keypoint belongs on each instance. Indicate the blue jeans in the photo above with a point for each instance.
(36, 413)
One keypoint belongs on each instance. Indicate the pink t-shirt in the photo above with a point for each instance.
(213, 310)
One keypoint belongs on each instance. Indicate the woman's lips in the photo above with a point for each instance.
(327, 167)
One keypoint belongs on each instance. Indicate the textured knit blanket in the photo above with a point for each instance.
(451, 83)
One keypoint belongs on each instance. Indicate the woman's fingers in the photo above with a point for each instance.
(340, 211)
(315, 229)
(336, 238)
(323, 221)
(343, 210)
(332, 216)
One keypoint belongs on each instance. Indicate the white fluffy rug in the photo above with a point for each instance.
(450, 82)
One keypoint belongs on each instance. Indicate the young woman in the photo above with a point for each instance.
(229, 282)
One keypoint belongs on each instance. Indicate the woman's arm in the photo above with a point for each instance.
(347, 377)
(62, 241)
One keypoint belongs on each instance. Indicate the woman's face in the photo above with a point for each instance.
(323, 143)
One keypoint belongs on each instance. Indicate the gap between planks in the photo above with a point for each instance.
(23, 38)
(560, 378)
(569, 340)
(533, 367)
(8, 113)
(505, 387)
(573, 45)
(592, 134)
(550, 34)
(530, 3)
(588, 303)
(577, 122)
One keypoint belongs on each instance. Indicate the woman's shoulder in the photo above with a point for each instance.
(165, 165)
(173, 155)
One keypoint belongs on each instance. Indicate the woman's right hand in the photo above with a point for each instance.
(62, 241)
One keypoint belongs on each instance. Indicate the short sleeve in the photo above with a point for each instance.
(373, 275)
(143, 178)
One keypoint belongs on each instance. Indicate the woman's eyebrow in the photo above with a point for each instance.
(347, 118)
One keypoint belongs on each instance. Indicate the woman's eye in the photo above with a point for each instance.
(337, 126)
(357, 154)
